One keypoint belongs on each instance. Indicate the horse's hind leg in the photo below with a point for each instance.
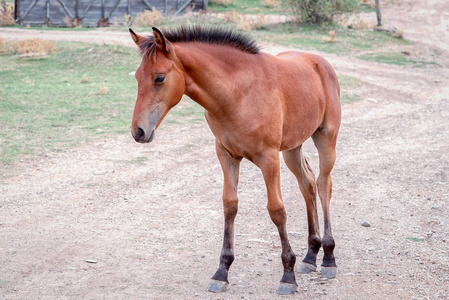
(297, 163)
(230, 168)
(325, 142)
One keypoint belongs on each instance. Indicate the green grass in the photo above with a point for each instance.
(395, 59)
(247, 7)
(45, 106)
(349, 87)
(361, 44)
(260, 6)
(414, 239)
(309, 37)
(53, 103)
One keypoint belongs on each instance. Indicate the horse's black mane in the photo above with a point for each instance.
(208, 35)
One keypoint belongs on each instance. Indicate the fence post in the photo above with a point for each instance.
(378, 14)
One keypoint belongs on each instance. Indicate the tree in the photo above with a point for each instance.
(318, 11)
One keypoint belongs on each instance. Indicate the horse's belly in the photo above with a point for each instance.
(246, 139)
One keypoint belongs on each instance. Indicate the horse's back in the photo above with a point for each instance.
(313, 62)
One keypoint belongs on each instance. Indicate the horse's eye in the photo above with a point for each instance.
(159, 79)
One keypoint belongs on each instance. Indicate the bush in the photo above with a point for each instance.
(35, 48)
(6, 14)
(148, 18)
(319, 11)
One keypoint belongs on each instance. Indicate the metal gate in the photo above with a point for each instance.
(94, 12)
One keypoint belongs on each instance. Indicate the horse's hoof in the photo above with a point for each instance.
(287, 288)
(217, 286)
(328, 272)
(306, 268)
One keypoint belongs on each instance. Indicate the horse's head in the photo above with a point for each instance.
(161, 84)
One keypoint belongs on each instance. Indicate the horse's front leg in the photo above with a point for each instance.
(271, 173)
(230, 166)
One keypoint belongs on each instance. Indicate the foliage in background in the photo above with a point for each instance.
(319, 11)
(6, 14)
(148, 18)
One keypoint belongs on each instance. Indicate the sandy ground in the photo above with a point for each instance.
(118, 220)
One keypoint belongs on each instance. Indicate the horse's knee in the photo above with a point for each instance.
(278, 215)
(230, 208)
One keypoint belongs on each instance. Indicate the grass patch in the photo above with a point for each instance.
(347, 41)
(414, 239)
(348, 89)
(186, 110)
(45, 105)
(248, 6)
(79, 93)
(395, 59)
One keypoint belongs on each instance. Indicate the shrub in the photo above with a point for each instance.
(319, 11)
(247, 22)
(148, 18)
(6, 14)
(35, 48)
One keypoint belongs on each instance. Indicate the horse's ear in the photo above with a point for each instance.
(161, 42)
(136, 38)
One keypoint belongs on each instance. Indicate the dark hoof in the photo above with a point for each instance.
(305, 268)
(329, 272)
(287, 288)
(216, 286)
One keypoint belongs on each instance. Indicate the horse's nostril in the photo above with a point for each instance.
(140, 135)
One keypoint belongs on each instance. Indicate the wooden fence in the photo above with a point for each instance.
(92, 13)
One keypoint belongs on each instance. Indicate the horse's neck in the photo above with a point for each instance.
(211, 74)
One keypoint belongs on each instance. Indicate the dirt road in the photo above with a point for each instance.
(119, 220)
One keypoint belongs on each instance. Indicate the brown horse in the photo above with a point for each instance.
(256, 105)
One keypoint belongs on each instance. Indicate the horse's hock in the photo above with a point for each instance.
(93, 13)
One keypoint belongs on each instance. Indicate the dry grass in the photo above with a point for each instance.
(271, 3)
(71, 23)
(148, 18)
(6, 47)
(330, 38)
(103, 90)
(35, 48)
(85, 79)
(2, 45)
(247, 22)
(399, 34)
(6, 14)
(126, 21)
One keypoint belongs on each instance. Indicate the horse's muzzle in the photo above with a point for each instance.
(141, 137)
